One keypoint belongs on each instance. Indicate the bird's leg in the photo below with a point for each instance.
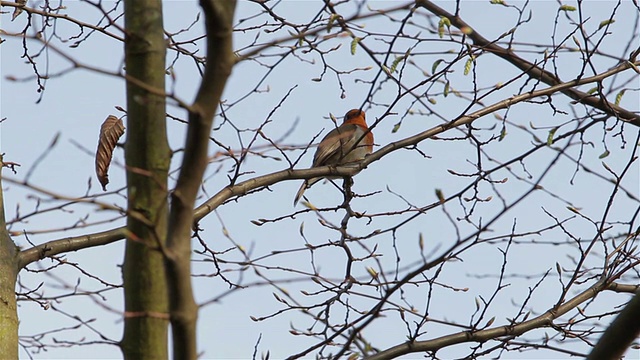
(348, 194)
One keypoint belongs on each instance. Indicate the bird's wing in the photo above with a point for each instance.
(332, 147)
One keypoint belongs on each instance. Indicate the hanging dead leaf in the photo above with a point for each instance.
(18, 10)
(111, 130)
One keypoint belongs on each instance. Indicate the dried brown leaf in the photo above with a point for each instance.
(110, 131)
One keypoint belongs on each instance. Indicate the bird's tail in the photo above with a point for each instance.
(301, 191)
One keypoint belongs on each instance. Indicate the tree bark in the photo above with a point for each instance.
(8, 275)
(147, 157)
(220, 61)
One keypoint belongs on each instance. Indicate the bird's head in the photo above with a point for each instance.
(354, 116)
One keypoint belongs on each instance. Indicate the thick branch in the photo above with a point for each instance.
(533, 70)
(620, 334)
(220, 60)
(543, 320)
(75, 243)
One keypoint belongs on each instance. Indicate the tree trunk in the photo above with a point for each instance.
(147, 157)
(8, 274)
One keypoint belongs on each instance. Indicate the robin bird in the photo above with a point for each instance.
(339, 146)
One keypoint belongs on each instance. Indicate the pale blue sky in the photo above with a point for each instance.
(75, 104)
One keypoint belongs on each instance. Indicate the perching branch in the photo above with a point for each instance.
(75, 243)
(270, 179)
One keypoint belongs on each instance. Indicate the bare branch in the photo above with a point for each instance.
(534, 71)
(70, 244)
(270, 179)
(544, 320)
